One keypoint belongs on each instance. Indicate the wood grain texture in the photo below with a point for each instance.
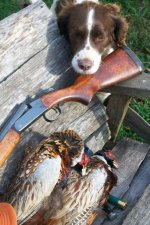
(23, 35)
(136, 87)
(140, 214)
(130, 155)
(116, 109)
(84, 120)
(97, 139)
(8, 144)
(31, 81)
(137, 124)
(139, 183)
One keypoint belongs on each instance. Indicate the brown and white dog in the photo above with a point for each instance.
(93, 30)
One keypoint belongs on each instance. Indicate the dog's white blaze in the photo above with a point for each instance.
(88, 52)
(89, 26)
(90, 19)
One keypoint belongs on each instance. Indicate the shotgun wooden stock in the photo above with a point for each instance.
(8, 144)
(120, 65)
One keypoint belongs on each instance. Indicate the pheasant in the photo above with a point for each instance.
(84, 194)
(41, 172)
(78, 202)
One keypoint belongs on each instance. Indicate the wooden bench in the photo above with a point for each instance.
(35, 58)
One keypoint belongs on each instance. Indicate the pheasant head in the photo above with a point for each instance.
(69, 146)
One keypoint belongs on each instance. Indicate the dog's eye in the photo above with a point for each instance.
(99, 38)
(98, 35)
(79, 34)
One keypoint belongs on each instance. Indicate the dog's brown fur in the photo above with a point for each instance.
(108, 31)
(65, 8)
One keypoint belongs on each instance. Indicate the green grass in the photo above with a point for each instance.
(48, 2)
(142, 106)
(125, 131)
(137, 13)
(7, 7)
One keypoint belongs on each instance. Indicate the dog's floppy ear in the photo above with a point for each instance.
(120, 30)
(120, 24)
(63, 22)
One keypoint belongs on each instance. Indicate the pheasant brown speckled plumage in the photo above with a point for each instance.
(42, 168)
(78, 202)
(84, 195)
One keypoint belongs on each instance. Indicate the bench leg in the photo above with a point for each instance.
(116, 109)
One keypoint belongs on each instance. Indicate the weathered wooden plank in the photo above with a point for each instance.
(38, 74)
(23, 35)
(116, 109)
(136, 189)
(137, 124)
(138, 86)
(97, 139)
(130, 155)
(83, 119)
(140, 214)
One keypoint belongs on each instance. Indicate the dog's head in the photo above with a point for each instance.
(93, 31)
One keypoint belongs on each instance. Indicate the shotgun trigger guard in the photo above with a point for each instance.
(57, 111)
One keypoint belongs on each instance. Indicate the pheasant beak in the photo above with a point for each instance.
(84, 162)
(111, 159)
(116, 164)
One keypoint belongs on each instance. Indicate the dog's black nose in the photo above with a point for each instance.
(85, 64)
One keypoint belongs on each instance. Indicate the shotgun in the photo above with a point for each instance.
(120, 65)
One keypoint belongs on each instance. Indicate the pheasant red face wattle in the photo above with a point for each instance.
(85, 160)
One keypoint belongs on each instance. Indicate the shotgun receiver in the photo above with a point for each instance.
(120, 65)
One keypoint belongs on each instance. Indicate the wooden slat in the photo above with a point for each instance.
(97, 139)
(84, 120)
(130, 155)
(136, 87)
(116, 109)
(140, 214)
(36, 75)
(136, 189)
(23, 35)
(137, 124)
